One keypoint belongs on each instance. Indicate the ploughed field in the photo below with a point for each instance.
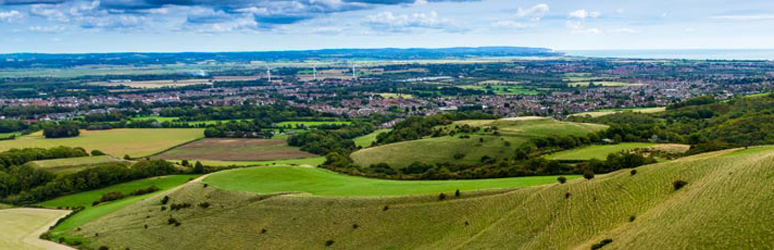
(460, 149)
(723, 203)
(235, 150)
(117, 142)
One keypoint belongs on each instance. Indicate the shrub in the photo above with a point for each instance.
(678, 184)
(355, 226)
(457, 193)
(442, 196)
(146, 190)
(164, 200)
(567, 195)
(126, 157)
(111, 196)
(163, 208)
(601, 244)
(458, 156)
(185, 163)
(171, 221)
(204, 205)
(588, 174)
(633, 172)
(263, 231)
(329, 243)
(561, 179)
(104, 248)
(632, 218)
(97, 153)
(386, 208)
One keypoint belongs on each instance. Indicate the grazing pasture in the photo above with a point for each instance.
(85, 199)
(366, 140)
(635, 211)
(598, 152)
(235, 149)
(460, 149)
(71, 165)
(322, 182)
(117, 142)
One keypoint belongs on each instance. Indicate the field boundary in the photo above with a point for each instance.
(168, 149)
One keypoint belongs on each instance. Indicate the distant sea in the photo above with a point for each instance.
(698, 54)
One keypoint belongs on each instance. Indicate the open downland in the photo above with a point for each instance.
(322, 182)
(366, 140)
(725, 205)
(117, 142)
(513, 132)
(599, 152)
(72, 165)
(85, 199)
(235, 150)
(21, 228)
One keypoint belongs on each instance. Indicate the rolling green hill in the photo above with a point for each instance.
(512, 133)
(724, 205)
(72, 165)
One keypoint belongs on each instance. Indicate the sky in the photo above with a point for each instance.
(77, 26)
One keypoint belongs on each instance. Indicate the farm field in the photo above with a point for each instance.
(598, 152)
(21, 227)
(513, 132)
(604, 112)
(85, 199)
(155, 83)
(71, 165)
(322, 182)
(394, 95)
(502, 89)
(315, 161)
(641, 211)
(117, 142)
(366, 140)
(235, 150)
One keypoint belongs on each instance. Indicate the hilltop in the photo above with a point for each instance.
(719, 201)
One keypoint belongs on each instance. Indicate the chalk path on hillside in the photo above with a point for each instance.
(26, 234)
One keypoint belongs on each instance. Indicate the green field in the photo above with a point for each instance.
(176, 120)
(514, 132)
(322, 182)
(117, 142)
(598, 152)
(725, 205)
(366, 140)
(395, 95)
(71, 165)
(6, 135)
(86, 198)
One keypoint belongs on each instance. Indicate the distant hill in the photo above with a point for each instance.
(724, 202)
(21, 60)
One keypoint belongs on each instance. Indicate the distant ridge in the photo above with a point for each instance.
(42, 59)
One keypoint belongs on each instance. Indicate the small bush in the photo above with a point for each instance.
(386, 208)
(171, 221)
(457, 193)
(329, 243)
(164, 200)
(97, 153)
(127, 157)
(103, 248)
(561, 179)
(633, 172)
(567, 195)
(601, 244)
(111, 196)
(678, 184)
(204, 205)
(588, 174)
(163, 208)
(458, 156)
(442, 196)
(632, 218)
(146, 190)
(355, 226)
(263, 231)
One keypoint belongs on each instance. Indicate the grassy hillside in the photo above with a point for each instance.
(117, 142)
(326, 183)
(513, 132)
(598, 152)
(725, 205)
(366, 140)
(71, 165)
(306, 161)
(85, 199)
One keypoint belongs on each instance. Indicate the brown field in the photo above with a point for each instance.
(236, 150)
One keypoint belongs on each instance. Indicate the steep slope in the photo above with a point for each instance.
(726, 204)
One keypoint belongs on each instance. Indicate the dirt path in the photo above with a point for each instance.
(22, 228)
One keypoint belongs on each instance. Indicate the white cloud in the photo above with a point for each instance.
(47, 29)
(10, 16)
(594, 31)
(583, 14)
(534, 13)
(512, 24)
(48, 13)
(387, 21)
(623, 31)
(745, 17)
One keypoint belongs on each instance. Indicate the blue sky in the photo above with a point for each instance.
(248, 25)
